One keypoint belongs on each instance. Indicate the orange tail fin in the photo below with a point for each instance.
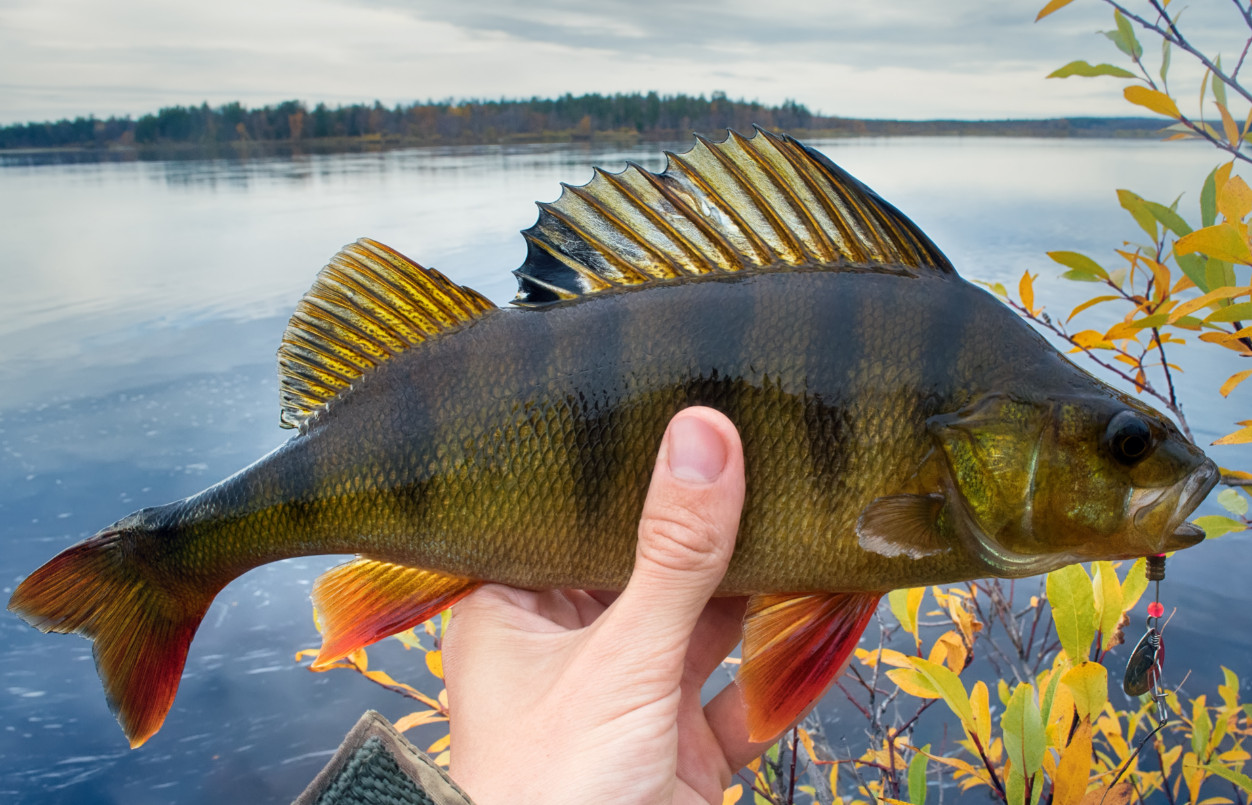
(141, 631)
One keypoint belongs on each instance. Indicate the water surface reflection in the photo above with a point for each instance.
(145, 303)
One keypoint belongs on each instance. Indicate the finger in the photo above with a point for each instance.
(687, 532)
(727, 716)
(718, 631)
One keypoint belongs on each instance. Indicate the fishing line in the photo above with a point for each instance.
(1145, 668)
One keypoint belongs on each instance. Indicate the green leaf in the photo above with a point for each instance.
(1233, 501)
(1073, 605)
(949, 687)
(1015, 787)
(1164, 58)
(410, 639)
(1022, 726)
(1241, 780)
(1125, 37)
(917, 777)
(904, 605)
(1215, 525)
(1218, 273)
(1219, 88)
(1134, 205)
(1167, 216)
(1193, 266)
(1229, 691)
(1201, 726)
(1079, 263)
(1082, 68)
(1238, 312)
(1208, 199)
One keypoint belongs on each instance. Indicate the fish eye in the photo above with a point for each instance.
(1128, 438)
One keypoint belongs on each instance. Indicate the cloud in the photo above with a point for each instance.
(908, 58)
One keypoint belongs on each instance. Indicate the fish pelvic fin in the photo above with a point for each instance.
(141, 630)
(365, 600)
(758, 203)
(793, 648)
(367, 305)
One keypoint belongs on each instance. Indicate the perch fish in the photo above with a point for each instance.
(900, 426)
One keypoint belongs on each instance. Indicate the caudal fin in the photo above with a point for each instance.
(141, 631)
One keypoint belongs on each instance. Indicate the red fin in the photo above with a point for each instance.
(366, 600)
(141, 631)
(793, 648)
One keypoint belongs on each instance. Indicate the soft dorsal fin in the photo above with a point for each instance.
(368, 304)
(744, 203)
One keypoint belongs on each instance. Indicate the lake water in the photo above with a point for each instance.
(144, 302)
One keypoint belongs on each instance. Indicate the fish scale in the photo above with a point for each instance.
(900, 427)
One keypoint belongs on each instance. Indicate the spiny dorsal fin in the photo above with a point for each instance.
(368, 304)
(744, 203)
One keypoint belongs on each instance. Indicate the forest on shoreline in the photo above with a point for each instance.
(621, 117)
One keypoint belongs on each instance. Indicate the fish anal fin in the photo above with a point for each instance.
(365, 600)
(902, 525)
(793, 648)
(367, 305)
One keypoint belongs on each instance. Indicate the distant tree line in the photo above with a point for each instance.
(445, 121)
(649, 115)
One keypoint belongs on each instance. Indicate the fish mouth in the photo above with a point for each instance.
(1194, 491)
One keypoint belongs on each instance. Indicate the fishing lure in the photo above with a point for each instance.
(1144, 669)
(1146, 663)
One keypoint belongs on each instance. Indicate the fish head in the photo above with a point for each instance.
(1043, 482)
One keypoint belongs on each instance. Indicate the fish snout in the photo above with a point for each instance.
(1195, 489)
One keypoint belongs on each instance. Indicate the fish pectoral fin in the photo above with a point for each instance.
(902, 525)
(365, 600)
(793, 648)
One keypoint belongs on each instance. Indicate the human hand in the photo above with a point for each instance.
(561, 696)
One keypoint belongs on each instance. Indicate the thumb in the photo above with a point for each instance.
(687, 531)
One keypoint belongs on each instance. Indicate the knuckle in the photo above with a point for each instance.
(681, 539)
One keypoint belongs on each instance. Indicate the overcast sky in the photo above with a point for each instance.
(858, 58)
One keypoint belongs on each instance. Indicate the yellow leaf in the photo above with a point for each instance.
(1216, 295)
(1224, 241)
(1160, 276)
(1090, 303)
(979, 701)
(807, 740)
(1070, 784)
(1053, 5)
(1234, 202)
(1119, 794)
(306, 652)
(732, 794)
(434, 662)
(1152, 99)
(1229, 127)
(1108, 601)
(1088, 682)
(443, 759)
(1241, 436)
(418, 719)
(949, 650)
(439, 745)
(1026, 288)
(912, 683)
(1234, 380)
